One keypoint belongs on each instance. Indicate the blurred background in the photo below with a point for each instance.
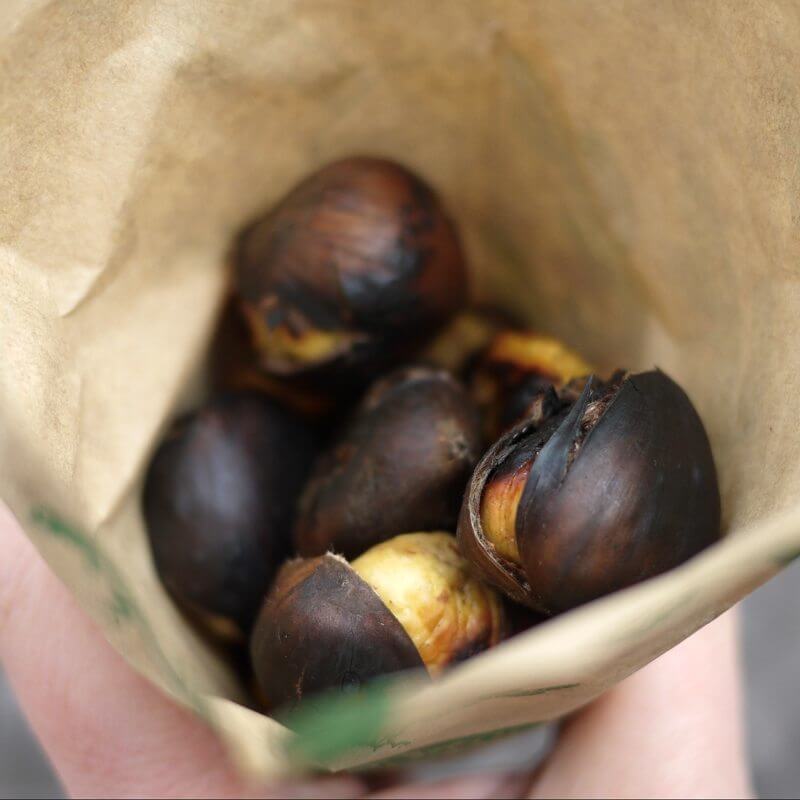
(772, 665)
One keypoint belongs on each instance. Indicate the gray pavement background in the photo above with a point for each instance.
(772, 661)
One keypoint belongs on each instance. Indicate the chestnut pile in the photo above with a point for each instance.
(386, 479)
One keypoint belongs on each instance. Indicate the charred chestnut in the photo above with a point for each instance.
(218, 502)
(513, 372)
(597, 494)
(401, 464)
(355, 265)
(409, 603)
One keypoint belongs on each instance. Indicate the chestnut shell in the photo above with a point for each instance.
(638, 497)
(323, 627)
(401, 465)
(361, 248)
(218, 502)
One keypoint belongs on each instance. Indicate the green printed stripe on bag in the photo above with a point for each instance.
(334, 724)
(121, 605)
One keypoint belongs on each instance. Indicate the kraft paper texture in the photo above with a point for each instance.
(625, 176)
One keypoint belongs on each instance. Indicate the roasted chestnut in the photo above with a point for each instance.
(218, 501)
(594, 495)
(401, 464)
(355, 266)
(408, 603)
(516, 367)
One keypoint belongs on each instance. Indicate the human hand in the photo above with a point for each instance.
(674, 729)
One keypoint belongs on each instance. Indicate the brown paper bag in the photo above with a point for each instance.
(626, 176)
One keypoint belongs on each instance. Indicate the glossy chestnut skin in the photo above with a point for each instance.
(401, 464)
(218, 501)
(512, 372)
(604, 492)
(407, 604)
(354, 267)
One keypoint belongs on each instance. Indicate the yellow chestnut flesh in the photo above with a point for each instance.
(425, 582)
(539, 353)
(512, 377)
(499, 505)
(289, 348)
(465, 336)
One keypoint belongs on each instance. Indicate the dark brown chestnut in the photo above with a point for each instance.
(514, 370)
(595, 495)
(408, 603)
(218, 502)
(400, 465)
(355, 266)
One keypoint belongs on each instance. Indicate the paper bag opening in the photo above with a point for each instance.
(624, 177)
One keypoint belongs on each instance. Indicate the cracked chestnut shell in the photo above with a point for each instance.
(218, 502)
(516, 367)
(356, 265)
(401, 464)
(408, 603)
(234, 367)
(593, 494)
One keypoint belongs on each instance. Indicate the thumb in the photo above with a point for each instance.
(673, 729)
(107, 731)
